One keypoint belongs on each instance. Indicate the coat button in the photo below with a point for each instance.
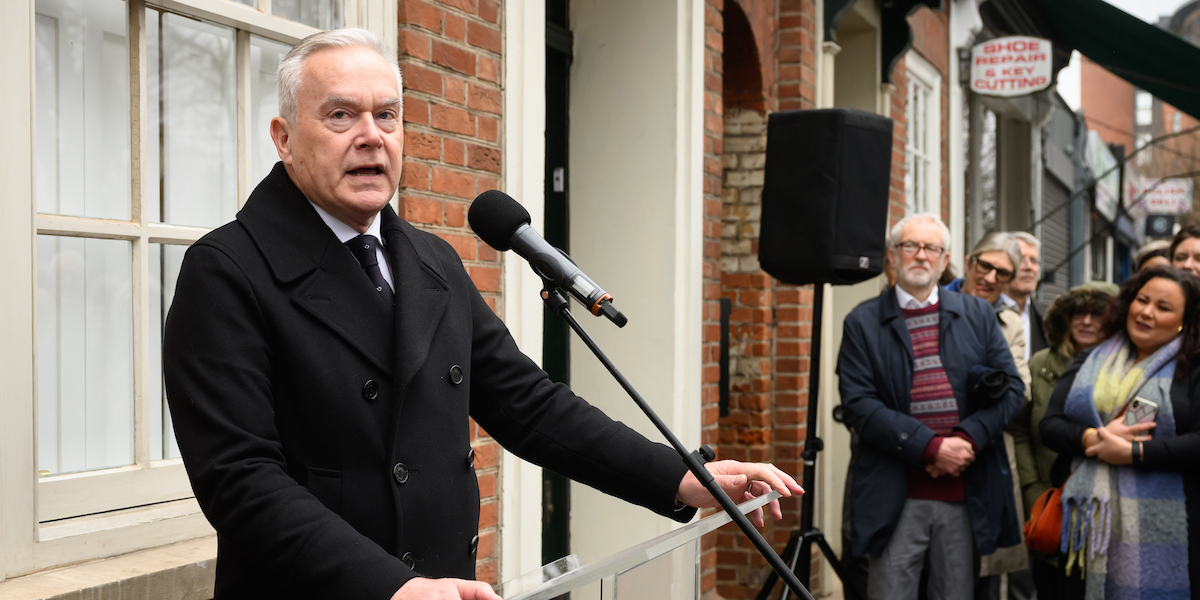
(400, 473)
(470, 458)
(456, 375)
(409, 559)
(474, 545)
(370, 390)
(903, 436)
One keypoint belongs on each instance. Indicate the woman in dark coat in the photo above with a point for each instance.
(1133, 490)
(1073, 324)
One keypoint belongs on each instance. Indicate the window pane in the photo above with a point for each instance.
(264, 104)
(84, 353)
(253, 3)
(165, 261)
(191, 82)
(82, 108)
(322, 14)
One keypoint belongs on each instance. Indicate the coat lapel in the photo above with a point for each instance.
(328, 282)
(890, 316)
(422, 295)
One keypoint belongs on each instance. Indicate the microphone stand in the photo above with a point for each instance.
(694, 460)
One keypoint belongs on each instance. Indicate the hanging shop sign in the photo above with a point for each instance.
(1011, 66)
(1159, 196)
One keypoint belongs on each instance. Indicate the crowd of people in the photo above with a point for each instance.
(974, 413)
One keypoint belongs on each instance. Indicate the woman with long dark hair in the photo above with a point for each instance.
(1133, 490)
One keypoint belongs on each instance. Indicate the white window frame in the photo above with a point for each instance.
(149, 503)
(924, 75)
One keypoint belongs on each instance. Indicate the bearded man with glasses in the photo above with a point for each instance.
(928, 475)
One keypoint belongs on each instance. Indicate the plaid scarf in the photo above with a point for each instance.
(1138, 518)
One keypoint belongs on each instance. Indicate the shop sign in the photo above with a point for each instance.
(1011, 66)
(1108, 188)
(1160, 196)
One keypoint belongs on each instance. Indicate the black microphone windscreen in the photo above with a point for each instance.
(495, 216)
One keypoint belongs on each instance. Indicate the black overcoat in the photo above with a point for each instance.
(326, 434)
(875, 378)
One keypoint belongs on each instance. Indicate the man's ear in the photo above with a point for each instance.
(280, 134)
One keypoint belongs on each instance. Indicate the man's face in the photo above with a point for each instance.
(987, 274)
(917, 273)
(345, 147)
(1026, 280)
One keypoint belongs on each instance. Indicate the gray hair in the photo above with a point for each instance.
(929, 217)
(288, 74)
(1000, 242)
(1028, 238)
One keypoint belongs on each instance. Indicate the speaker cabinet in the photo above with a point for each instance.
(825, 196)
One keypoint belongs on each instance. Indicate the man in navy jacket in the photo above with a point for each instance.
(930, 473)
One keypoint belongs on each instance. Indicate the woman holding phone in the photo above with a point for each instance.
(1125, 420)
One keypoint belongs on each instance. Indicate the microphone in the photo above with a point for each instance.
(503, 224)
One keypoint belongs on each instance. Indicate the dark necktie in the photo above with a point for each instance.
(363, 247)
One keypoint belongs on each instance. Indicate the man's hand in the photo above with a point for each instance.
(444, 589)
(953, 457)
(742, 482)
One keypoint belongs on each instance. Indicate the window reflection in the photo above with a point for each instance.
(82, 108)
(84, 354)
(322, 14)
(191, 85)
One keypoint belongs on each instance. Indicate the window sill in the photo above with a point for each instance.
(183, 571)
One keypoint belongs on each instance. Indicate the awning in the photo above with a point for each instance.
(1150, 58)
(895, 38)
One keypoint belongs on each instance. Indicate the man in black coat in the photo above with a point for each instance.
(322, 358)
(930, 473)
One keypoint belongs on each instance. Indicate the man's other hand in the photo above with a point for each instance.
(953, 457)
(444, 589)
(742, 482)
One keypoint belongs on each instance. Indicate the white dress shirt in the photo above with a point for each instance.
(910, 302)
(1009, 302)
(346, 233)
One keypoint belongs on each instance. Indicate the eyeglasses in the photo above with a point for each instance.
(983, 267)
(911, 248)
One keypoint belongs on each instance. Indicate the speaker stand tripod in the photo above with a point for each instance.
(798, 551)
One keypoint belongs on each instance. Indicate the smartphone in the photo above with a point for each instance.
(1140, 410)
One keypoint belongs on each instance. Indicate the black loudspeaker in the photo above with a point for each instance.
(825, 196)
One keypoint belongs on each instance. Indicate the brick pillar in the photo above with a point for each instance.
(796, 88)
(450, 55)
(710, 349)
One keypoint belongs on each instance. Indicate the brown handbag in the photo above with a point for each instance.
(1043, 530)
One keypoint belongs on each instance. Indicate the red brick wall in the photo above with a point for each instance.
(1108, 104)
(771, 323)
(450, 56)
(711, 345)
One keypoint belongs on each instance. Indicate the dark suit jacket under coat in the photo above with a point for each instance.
(326, 434)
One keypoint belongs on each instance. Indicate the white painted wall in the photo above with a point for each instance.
(636, 228)
(524, 159)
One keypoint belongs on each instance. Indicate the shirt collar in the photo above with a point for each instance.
(1009, 302)
(908, 301)
(343, 231)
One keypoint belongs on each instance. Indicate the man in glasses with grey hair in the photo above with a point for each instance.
(928, 476)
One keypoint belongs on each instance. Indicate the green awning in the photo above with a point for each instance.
(1150, 58)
